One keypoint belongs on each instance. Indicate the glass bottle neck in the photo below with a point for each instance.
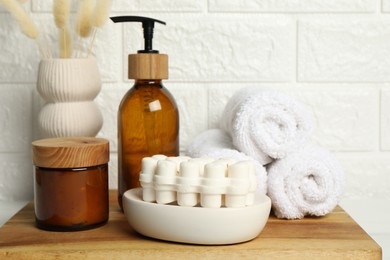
(148, 82)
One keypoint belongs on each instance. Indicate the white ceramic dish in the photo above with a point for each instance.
(196, 225)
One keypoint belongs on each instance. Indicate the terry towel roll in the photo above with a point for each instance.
(266, 125)
(309, 182)
(217, 143)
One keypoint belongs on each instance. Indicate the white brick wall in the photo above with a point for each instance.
(344, 49)
(334, 56)
(308, 6)
(262, 48)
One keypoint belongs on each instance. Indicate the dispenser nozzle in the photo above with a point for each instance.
(147, 25)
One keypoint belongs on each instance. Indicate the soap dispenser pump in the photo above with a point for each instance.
(148, 118)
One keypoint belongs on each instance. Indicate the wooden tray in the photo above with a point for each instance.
(335, 236)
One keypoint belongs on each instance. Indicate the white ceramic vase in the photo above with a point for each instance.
(69, 87)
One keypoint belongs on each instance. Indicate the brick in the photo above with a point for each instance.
(305, 6)
(367, 175)
(219, 95)
(38, 103)
(160, 6)
(16, 180)
(385, 119)
(191, 100)
(337, 49)
(108, 101)
(386, 6)
(223, 48)
(107, 49)
(345, 119)
(19, 55)
(15, 118)
(113, 172)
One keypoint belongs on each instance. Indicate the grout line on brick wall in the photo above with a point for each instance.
(374, 153)
(229, 82)
(308, 13)
(360, 82)
(122, 47)
(380, 121)
(157, 12)
(208, 107)
(374, 83)
(123, 77)
(206, 7)
(296, 50)
(380, 8)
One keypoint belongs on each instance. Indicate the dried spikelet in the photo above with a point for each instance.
(101, 12)
(83, 20)
(26, 24)
(61, 10)
(65, 41)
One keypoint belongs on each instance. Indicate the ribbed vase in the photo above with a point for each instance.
(69, 87)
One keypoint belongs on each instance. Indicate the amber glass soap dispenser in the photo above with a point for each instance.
(148, 118)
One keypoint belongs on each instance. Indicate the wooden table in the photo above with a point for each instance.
(335, 236)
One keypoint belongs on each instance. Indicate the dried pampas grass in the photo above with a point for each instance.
(99, 17)
(83, 20)
(65, 42)
(101, 12)
(61, 11)
(91, 14)
(25, 22)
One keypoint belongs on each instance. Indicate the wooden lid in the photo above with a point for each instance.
(148, 66)
(70, 152)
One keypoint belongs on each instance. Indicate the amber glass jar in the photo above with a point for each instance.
(148, 119)
(144, 131)
(71, 183)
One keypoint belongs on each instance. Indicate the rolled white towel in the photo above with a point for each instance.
(266, 124)
(209, 140)
(216, 143)
(308, 182)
